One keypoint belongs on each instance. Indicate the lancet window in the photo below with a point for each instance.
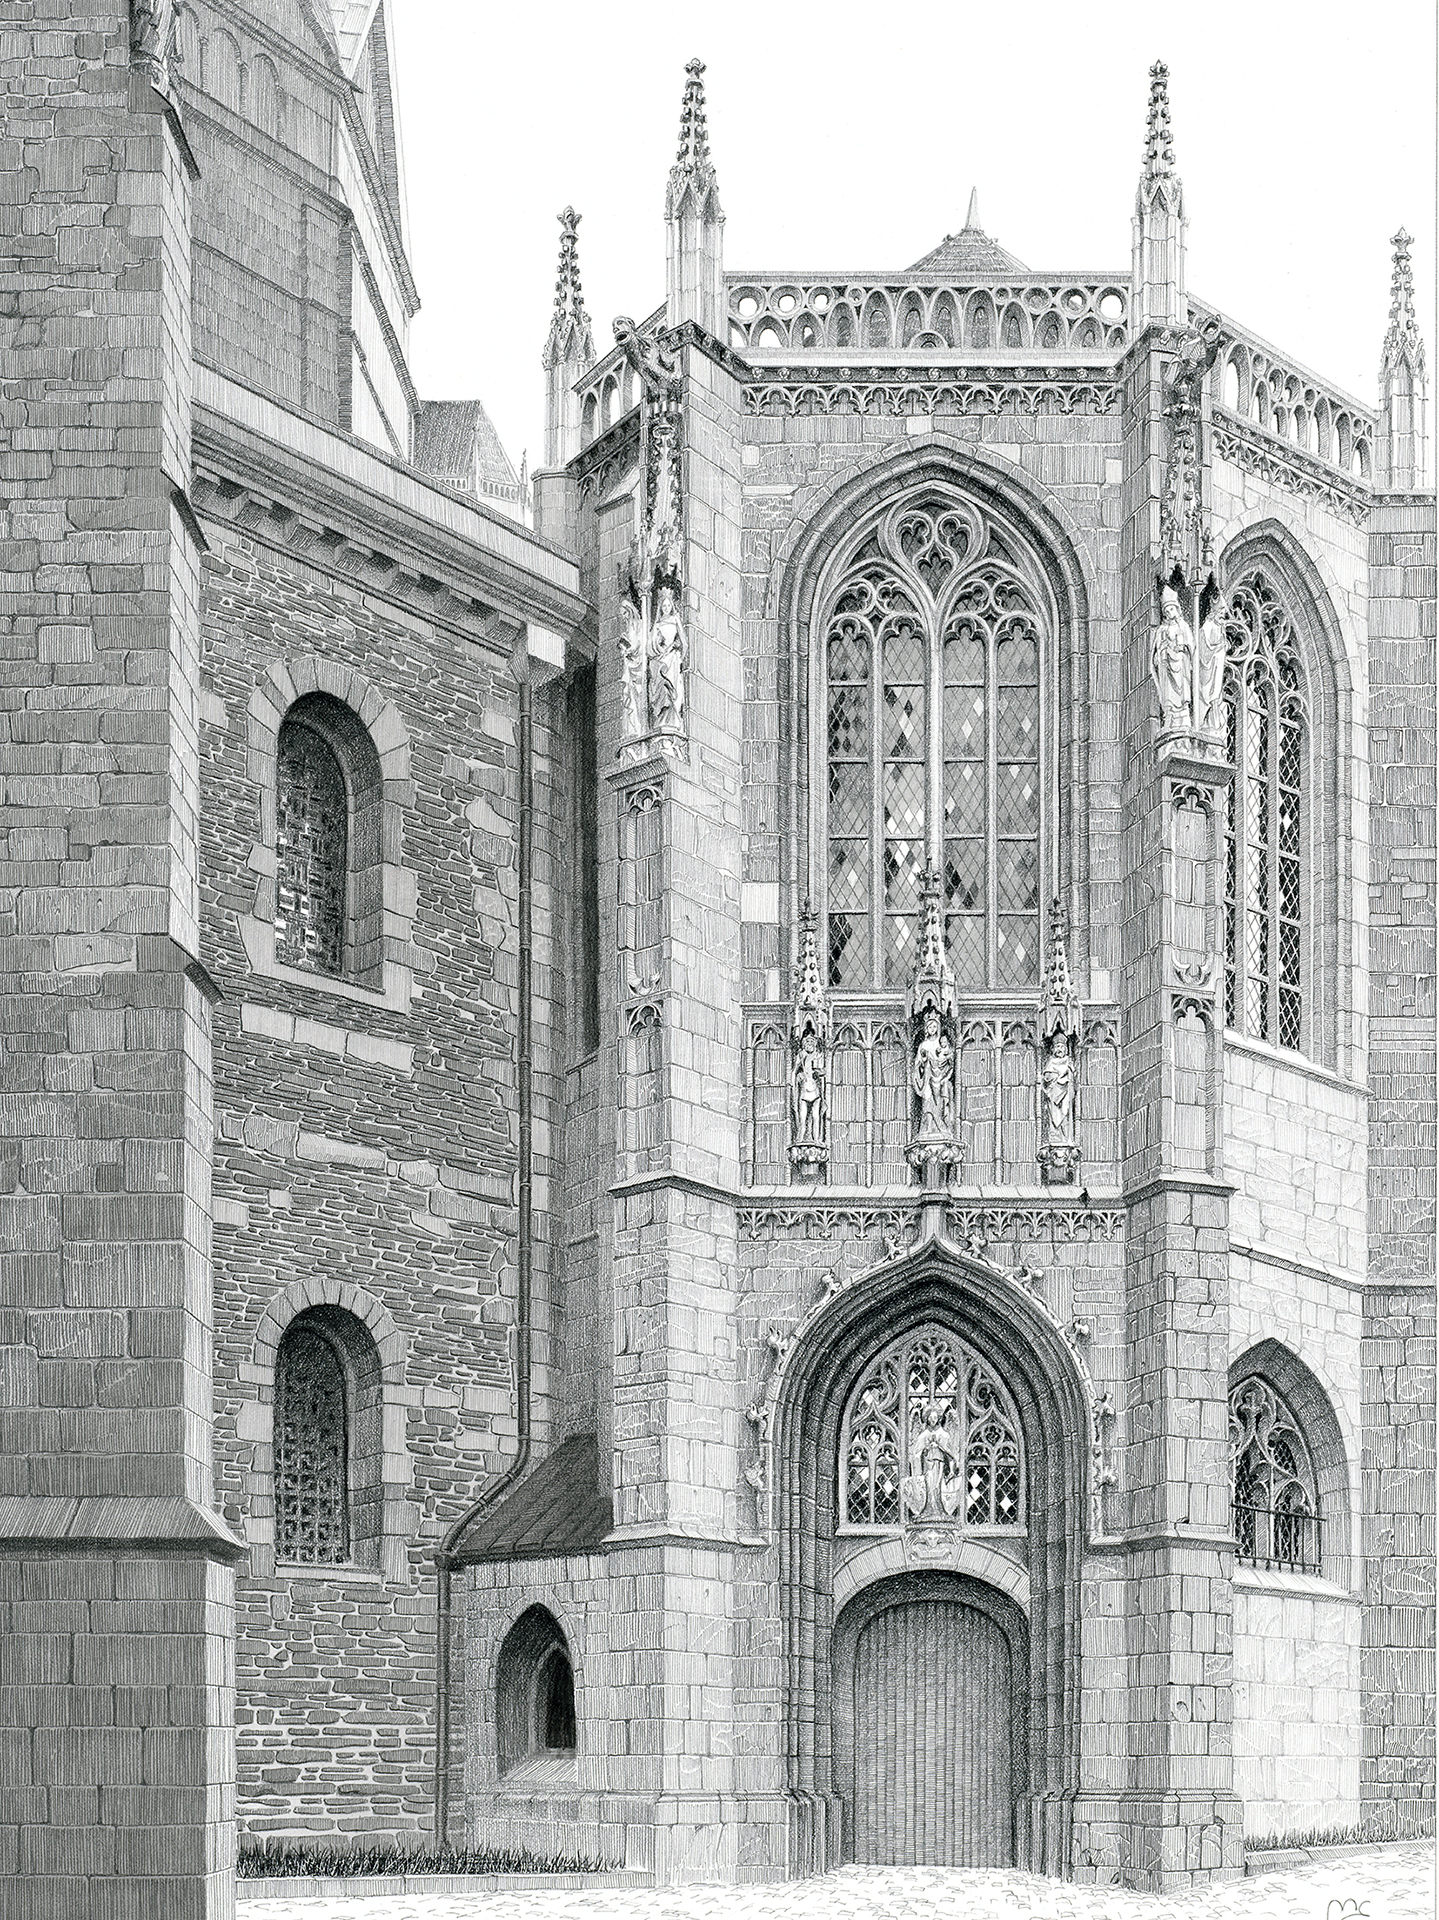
(931, 1436)
(936, 682)
(312, 1491)
(1276, 1506)
(312, 851)
(1264, 820)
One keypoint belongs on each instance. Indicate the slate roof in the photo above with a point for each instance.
(558, 1508)
(455, 440)
(969, 251)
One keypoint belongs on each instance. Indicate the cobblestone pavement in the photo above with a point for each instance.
(1384, 1883)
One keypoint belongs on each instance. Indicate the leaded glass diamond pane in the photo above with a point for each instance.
(1289, 1022)
(1289, 890)
(903, 722)
(964, 938)
(903, 800)
(1017, 724)
(964, 723)
(1018, 798)
(1288, 811)
(1018, 876)
(900, 935)
(964, 655)
(903, 652)
(849, 875)
(849, 723)
(1289, 954)
(964, 876)
(903, 865)
(849, 800)
(849, 649)
(1016, 656)
(848, 950)
(1290, 761)
(964, 797)
(1018, 949)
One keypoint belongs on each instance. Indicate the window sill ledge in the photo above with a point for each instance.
(349, 1575)
(258, 937)
(1237, 1042)
(1311, 1586)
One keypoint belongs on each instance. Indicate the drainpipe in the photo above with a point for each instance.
(447, 1560)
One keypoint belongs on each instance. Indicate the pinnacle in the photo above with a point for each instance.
(694, 151)
(1403, 327)
(971, 219)
(1159, 135)
(569, 311)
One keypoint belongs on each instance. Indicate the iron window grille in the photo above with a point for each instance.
(1275, 1502)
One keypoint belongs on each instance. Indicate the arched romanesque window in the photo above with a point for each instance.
(1265, 820)
(312, 1450)
(935, 639)
(311, 850)
(328, 1441)
(1276, 1506)
(931, 1436)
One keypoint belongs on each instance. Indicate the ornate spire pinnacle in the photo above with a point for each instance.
(1059, 1002)
(570, 337)
(1159, 219)
(1402, 450)
(971, 219)
(808, 980)
(695, 225)
(1159, 137)
(932, 983)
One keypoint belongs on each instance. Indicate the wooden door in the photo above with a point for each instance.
(933, 1760)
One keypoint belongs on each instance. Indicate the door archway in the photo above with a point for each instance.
(931, 1737)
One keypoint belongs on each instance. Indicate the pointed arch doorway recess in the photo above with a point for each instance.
(930, 1733)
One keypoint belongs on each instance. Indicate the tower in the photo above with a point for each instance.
(694, 225)
(569, 349)
(1402, 450)
(1159, 223)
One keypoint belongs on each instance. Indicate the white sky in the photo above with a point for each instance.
(849, 137)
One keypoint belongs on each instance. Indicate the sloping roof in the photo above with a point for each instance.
(556, 1509)
(969, 251)
(455, 440)
(352, 20)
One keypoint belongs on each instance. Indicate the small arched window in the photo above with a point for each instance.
(312, 1450)
(534, 1693)
(311, 849)
(1275, 1500)
(328, 1441)
(930, 1437)
(1265, 819)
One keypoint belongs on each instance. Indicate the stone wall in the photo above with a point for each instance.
(1297, 1706)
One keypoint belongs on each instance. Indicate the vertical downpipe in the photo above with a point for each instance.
(447, 1560)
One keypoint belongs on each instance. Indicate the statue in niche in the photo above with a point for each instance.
(668, 652)
(1172, 664)
(934, 1486)
(1210, 654)
(1057, 1081)
(1061, 1026)
(809, 1070)
(934, 1079)
(633, 669)
(807, 1097)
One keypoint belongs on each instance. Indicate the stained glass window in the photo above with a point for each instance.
(311, 850)
(931, 1437)
(1264, 821)
(312, 1495)
(1276, 1507)
(934, 678)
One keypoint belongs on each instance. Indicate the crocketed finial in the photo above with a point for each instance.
(570, 335)
(808, 981)
(694, 150)
(1402, 324)
(1159, 136)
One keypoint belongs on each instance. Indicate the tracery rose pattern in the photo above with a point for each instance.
(1276, 1508)
(931, 1437)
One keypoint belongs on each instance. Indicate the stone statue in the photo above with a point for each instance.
(807, 1094)
(934, 1079)
(1210, 653)
(1057, 1081)
(154, 41)
(669, 651)
(656, 365)
(1172, 664)
(633, 668)
(934, 1487)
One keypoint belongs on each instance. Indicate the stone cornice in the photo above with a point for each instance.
(908, 390)
(305, 485)
(1255, 450)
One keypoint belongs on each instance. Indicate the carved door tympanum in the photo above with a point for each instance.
(933, 1746)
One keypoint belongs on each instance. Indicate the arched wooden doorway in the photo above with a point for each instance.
(930, 1725)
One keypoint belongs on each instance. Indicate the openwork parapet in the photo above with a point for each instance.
(1057, 314)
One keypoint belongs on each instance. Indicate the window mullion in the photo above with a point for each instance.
(934, 748)
(991, 811)
(876, 806)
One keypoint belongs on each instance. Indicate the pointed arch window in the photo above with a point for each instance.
(1275, 1502)
(931, 1437)
(936, 681)
(1265, 820)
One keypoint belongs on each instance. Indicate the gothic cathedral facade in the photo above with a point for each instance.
(723, 1161)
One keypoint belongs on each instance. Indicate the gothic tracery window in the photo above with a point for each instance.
(935, 683)
(312, 849)
(931, 1436)
(1264, 823)
(312, 1492)
(1275, 1504)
